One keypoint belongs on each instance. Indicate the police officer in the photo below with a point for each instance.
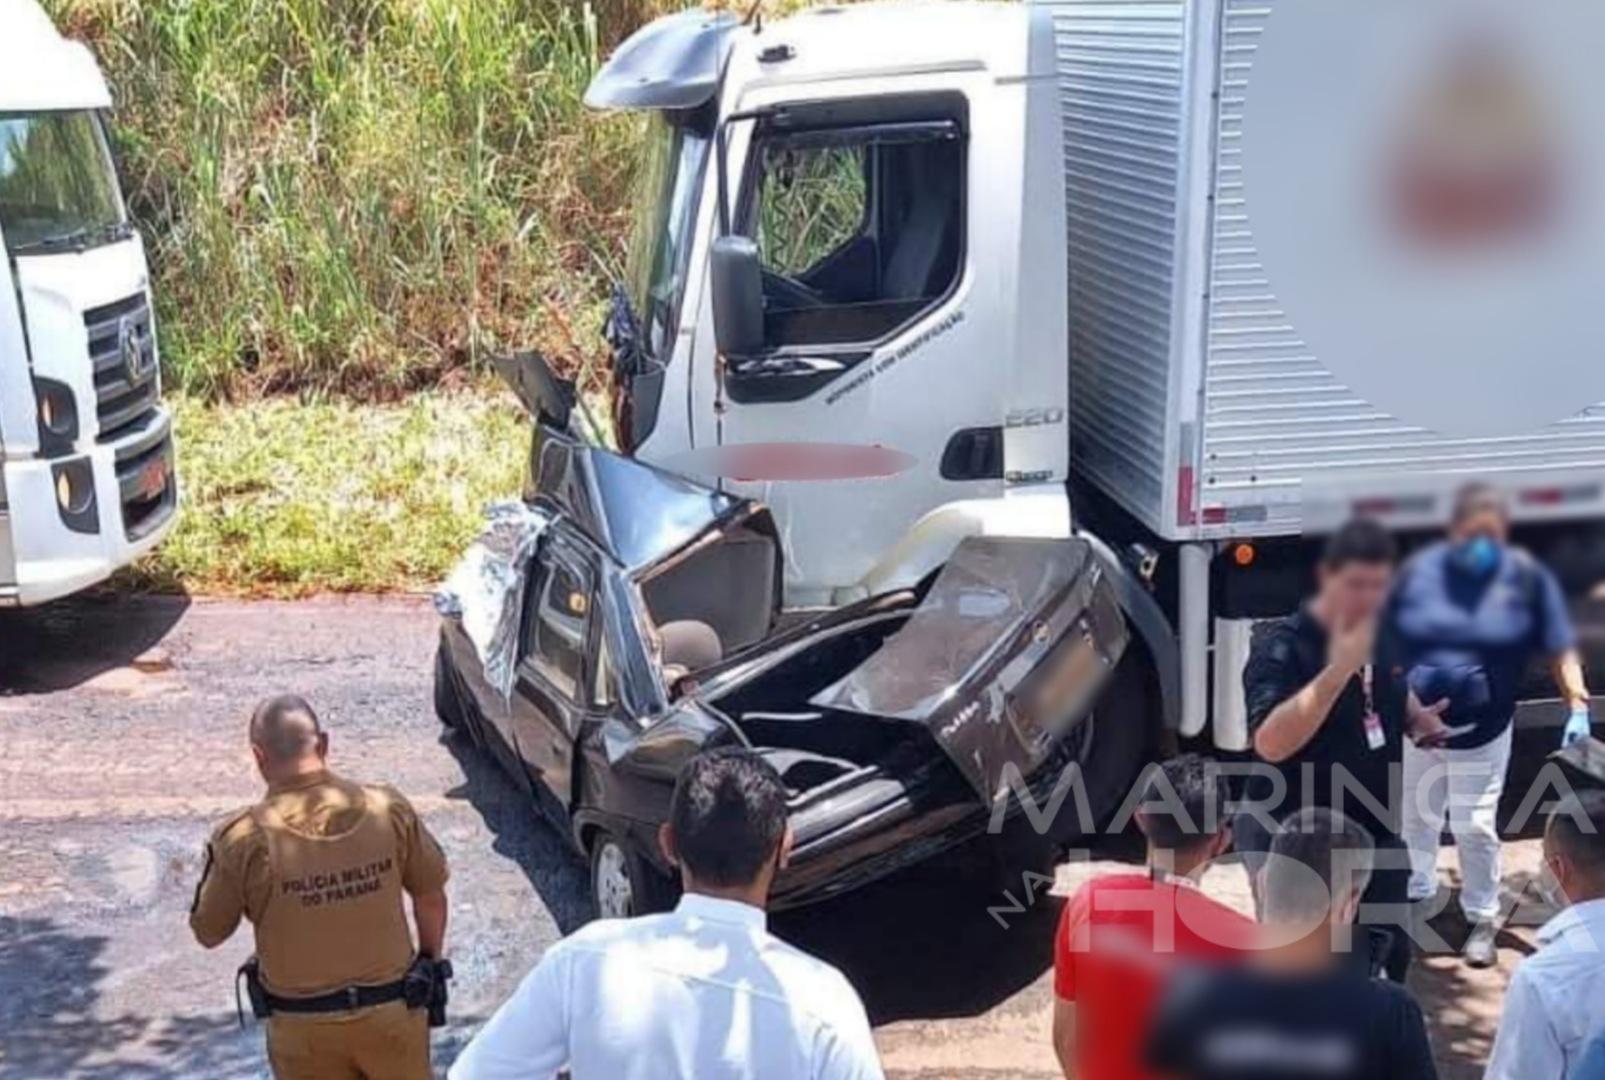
(319, 867)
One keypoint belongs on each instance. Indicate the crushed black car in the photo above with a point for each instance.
(644, 623)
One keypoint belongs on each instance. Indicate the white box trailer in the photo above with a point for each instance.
(1205, 401)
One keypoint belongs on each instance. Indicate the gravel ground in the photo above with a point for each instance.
(123, 723)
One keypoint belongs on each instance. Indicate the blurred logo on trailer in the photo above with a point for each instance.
(1424, 186)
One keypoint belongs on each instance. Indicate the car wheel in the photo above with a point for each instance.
(623, 884)
(448, 707)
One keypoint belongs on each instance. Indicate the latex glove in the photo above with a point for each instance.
(1578, 727)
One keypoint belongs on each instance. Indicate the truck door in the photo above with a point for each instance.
(871, 368)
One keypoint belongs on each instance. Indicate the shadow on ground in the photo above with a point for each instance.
(50, 984)
(922, 945)
(67, 643)
(521, 834)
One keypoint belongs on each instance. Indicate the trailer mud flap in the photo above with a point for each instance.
(1004, 656)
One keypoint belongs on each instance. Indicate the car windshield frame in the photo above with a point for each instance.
(668, 193)
(76, 182)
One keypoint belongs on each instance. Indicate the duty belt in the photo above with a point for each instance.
(423, 987)
(350, 998)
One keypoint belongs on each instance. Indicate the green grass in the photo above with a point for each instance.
(284, 498)
(361, 196)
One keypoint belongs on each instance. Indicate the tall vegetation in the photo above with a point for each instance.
(359, 196)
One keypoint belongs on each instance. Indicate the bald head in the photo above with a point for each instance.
(285, 731)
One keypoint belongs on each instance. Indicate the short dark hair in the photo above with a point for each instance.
(1183, 803)
(1324, 841)
(1583, 844)
(1359, 540)
(285, 727)
(1477, 497)
(728, 814)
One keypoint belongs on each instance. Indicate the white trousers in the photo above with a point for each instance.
(1465, 786)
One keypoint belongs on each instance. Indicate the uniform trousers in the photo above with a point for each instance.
(384, 1042)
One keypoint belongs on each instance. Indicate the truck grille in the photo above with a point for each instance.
(146, 485)
(123, 351)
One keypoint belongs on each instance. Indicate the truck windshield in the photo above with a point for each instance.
(666, 199)
(58, 190)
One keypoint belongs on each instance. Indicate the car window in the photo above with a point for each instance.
(556, 630)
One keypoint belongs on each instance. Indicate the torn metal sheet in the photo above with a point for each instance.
(485, 591)
(985, 593)
(1006, 652)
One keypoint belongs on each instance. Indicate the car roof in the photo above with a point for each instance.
(639, 515)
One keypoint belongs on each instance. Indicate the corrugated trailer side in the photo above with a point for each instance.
(1122, 71)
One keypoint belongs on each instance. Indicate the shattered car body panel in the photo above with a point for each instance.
(896, 723)
(483, 591)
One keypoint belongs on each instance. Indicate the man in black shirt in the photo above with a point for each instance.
(1300, 1009)
(1328, 723)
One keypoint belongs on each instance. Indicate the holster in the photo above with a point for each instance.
(424, 987)
(251, 972)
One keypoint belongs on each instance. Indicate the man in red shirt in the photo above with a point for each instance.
(1122, 936)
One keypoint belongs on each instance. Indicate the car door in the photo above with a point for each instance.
(553, 686)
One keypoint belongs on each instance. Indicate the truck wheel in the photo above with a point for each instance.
(1120, 733)
(623, 883)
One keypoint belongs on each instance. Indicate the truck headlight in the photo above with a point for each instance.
(75, 495)
(58, 416)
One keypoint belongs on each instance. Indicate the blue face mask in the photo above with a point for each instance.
(1477, 556)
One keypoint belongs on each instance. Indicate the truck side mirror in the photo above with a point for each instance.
(737, 296)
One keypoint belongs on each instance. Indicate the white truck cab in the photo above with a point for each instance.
(86, 452)
(860, 144)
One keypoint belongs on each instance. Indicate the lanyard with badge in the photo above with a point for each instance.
(1375, 737)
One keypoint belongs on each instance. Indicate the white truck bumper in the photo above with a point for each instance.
(46, 553)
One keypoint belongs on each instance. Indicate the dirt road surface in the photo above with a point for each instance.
(122, 724)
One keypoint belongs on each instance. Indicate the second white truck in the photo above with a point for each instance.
(86, 452)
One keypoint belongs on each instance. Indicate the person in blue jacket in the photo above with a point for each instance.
(1467, 618)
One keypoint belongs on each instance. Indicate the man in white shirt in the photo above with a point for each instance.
(701, 993)
(1557, 997)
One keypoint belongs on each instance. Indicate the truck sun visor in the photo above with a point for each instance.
(486, 588)
(671, 63)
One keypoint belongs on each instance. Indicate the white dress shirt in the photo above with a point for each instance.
(1556, 999)
(701, 993)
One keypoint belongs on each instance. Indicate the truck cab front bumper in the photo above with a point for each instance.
(121, 498)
